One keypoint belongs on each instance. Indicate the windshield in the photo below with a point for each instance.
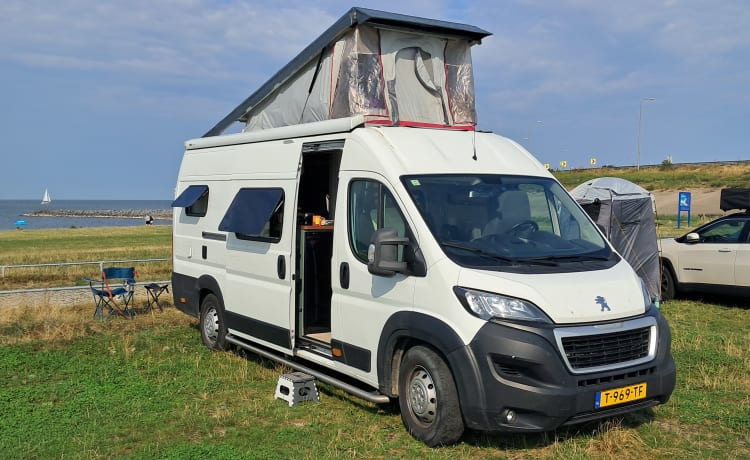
(504, 221)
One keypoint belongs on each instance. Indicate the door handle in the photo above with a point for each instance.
(281, 267)
(725, 250)
(344, 275)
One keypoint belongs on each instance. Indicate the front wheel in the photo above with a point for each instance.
(428, 398)
(213, 329)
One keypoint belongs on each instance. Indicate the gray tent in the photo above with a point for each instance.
(626, 212)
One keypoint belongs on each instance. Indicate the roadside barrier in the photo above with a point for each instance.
(100, 263)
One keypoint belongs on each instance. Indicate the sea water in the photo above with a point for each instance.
(12, 211)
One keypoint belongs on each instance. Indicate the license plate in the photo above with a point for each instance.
(620, 395)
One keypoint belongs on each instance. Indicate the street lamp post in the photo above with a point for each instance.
(640, 119)
(531, 125)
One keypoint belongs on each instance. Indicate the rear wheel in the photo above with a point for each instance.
(668, 287)
(213, 329)
(428, 398)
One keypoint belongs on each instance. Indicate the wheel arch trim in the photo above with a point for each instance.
(405, 329)
(206, 284)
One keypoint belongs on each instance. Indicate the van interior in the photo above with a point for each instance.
(316, 202)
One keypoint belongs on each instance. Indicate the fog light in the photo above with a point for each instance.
(510, 416)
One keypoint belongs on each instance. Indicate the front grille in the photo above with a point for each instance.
(591, 351)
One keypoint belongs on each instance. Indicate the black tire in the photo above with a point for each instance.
(212, 326)
(428, 398)
(668, 286)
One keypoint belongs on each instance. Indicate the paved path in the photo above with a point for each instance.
(52, 298)
(60, 298)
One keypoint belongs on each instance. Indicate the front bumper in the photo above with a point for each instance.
(520, 369)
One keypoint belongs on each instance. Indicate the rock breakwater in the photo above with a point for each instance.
(158, 214)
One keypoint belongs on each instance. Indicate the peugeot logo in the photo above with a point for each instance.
(603, 302)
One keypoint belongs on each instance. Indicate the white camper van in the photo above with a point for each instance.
(443, 267)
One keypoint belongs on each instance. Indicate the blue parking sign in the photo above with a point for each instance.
(683, 204)
(684, 201)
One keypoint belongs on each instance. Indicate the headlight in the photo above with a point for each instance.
(487, 305)
(647, 300)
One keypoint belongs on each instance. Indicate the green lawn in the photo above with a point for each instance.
(74, 387)
(82, 245)
(675, 177)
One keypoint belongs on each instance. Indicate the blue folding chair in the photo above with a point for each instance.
(113, 292)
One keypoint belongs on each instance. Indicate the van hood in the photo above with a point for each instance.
(567, 298)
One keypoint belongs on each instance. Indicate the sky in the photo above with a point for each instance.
(98, 97)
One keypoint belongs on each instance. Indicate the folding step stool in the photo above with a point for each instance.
(296, 387)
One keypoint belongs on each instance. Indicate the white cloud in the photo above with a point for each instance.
(589, 48)
(691, 28)
(152, 38)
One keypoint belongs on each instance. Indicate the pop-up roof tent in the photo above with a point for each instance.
(626, 212)
(391, 68)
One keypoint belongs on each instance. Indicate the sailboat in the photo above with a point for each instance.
(46, 199)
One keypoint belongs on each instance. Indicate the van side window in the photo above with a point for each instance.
(199, 208)
(256, 214)
(371, 207)
(194, 199)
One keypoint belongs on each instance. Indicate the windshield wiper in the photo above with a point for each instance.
(578, 257)
(509, 260)
(537, 260)
(480, 252)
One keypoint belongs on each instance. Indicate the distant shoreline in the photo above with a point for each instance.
(157, 214)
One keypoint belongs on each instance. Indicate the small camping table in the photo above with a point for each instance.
(153, 291)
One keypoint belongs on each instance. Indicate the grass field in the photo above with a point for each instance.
(82, 245)
(73, 387)
(675, 177)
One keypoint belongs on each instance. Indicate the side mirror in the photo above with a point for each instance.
(382, 255)
(692, 237)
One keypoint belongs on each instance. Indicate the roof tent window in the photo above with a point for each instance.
(360, 86)
(460, 82)
(194, 199)
(256, 214)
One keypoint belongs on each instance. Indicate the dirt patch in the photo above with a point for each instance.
(703, 202)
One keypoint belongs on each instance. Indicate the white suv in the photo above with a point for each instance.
(714, 257)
